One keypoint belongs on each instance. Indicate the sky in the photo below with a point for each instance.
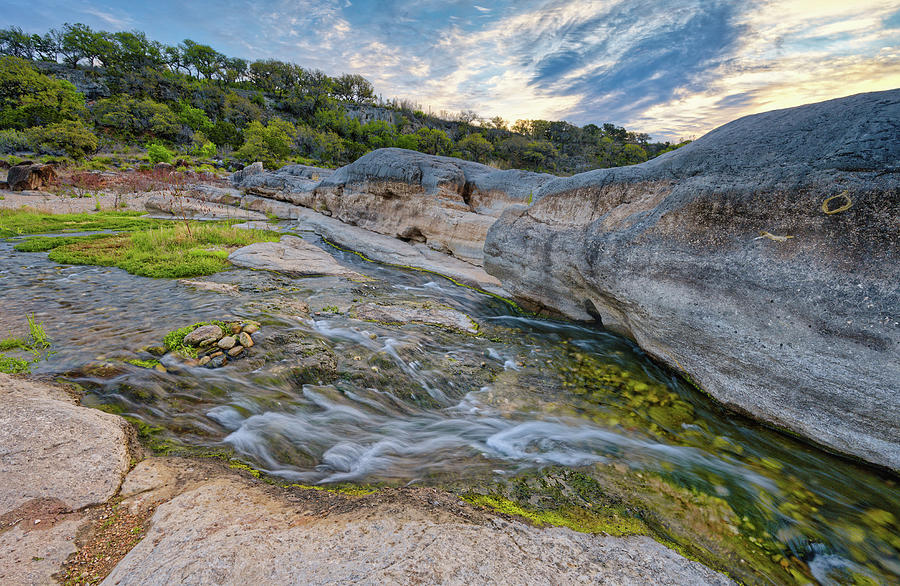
(671, 68)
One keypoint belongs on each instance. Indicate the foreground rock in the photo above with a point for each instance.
(266, 534)
(445, 203)
(29, 176)
(762, 260)
(393, 536)
(48, 472)
(290, 255)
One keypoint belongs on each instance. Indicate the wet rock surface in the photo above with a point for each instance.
(795, 328)
(406, 535)
(413, 312)
(291, 255)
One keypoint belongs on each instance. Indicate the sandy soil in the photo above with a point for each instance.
(55, 204)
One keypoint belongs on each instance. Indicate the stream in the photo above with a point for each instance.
(525, 399)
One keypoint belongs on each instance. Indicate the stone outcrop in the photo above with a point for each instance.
(291, 255)
(190, 207)
(29, 176)
(266, 534)
(445, 203)
(762, 260)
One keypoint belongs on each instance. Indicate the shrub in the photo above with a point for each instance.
(12, 140)
(194, 118)
(159, 154)
(29, 98)
(270, 144)
(133, 118)
(71, 137)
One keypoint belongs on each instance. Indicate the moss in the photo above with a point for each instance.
(143, 363)
(573, 518)
(238, 465)
(344, 488)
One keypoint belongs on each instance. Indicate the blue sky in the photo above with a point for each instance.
(672, 68)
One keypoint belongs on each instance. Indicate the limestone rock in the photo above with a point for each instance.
(796, 332)
(29, 176)
(225, 288)
(189, 207)
(245, 340)
(290, 255)
(412, 312)
(248, 171)
(45, 455)
(203, 333)
(235, 351)
(226, 343)
(396, 537)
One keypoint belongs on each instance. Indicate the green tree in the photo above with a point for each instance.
(132, 118)
(29, 98)
(475, 148)
(433, 141)
(71, 137)
(270, 144)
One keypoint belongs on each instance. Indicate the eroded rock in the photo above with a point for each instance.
(29, 176)
(795, 330)
(413, 312)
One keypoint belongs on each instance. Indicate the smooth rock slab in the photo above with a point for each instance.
(423, 313)
(50, 447)
(417, 536)
(293, 256)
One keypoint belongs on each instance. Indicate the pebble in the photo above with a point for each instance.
(251, 328)
(235, 351)
(204, 360)
(160, 368)
(235, 328)
(216, 354)
(218, 361)
(227, 342)
(245, 340)
(203, 333)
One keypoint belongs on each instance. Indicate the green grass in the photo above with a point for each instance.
(164, 252)
(37, 342)
(26, 221)
(45, 243)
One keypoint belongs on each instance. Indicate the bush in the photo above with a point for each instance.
(12, 140)
(133, 118)
(29, 98)
(159, 154)
(71, 137)
(271, 144)
(194, 118)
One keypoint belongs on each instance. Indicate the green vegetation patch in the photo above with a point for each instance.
(36, 344)
(27, 221)
(45, 243)
(143, 363)
(167, 252)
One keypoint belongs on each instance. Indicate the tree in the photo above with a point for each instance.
(270, 144)
(132, 118)
(475, 147)
(204, 59)
(353, 88)
(29, 98)
(79, 41)
(433, 141)
(14, 42)
(498, 123)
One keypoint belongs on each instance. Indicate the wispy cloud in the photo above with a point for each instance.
(673, 68)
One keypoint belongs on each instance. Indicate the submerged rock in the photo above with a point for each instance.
(411, 312)
(290, 255)
(797, 327)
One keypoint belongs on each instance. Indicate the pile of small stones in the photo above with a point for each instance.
(217, 346)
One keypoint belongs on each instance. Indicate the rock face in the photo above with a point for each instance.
(447, 204)
(30, 176)
(290, 255)
(189, 207)
(763, 260)
(402, 537)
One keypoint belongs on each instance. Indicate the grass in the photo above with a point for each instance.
(36, 343)
(27, 221)
(164, 252)
(45, 243)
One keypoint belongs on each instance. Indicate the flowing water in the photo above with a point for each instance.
(416, 403)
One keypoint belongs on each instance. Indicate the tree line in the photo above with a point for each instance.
(196, 100)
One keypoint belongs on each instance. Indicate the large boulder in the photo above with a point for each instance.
(762, 260)
(293, 256)
(445, 203)
(29, 176)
